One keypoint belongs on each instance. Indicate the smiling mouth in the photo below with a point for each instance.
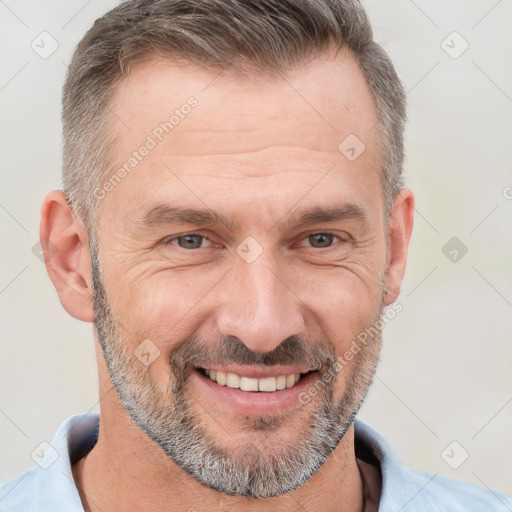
(265, 384)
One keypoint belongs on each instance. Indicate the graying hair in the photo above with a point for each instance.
(267, 36)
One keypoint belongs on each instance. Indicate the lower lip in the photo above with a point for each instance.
(258, 402)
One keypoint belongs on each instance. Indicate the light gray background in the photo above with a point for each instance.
(446, 368)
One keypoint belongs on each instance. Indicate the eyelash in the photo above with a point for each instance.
(168, 241)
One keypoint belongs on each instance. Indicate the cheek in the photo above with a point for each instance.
(165, 307)
(343, 302)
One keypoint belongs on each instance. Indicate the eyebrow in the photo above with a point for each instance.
(317, 214)
(166, 214)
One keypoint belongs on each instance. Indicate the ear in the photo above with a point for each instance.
(64, 241)
(400, 228)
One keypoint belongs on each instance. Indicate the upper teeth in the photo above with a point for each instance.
(232, 380)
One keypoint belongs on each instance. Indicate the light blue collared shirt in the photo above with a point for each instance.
(49, 487)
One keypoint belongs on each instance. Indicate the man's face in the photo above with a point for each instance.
(268, 291)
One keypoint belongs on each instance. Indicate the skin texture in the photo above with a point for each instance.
(258, 151)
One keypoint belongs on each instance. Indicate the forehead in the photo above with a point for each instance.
(329, 94)
(245, 139)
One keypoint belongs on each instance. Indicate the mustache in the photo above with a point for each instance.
(317, 354)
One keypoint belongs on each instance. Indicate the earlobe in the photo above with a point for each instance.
(64, 240)
(400, 229)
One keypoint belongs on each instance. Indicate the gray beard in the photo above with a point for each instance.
(251, 471)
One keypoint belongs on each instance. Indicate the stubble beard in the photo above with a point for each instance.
(249, 470)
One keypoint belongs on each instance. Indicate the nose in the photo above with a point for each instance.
(259, 307)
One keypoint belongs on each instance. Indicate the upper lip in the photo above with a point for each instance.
(258, 372)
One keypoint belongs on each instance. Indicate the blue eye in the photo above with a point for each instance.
(189, 241)
(320, 240)
(193, 241)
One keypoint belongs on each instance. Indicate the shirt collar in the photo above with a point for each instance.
(78, 435)
(74, 439)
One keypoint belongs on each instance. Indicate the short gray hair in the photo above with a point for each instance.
(271, 36)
